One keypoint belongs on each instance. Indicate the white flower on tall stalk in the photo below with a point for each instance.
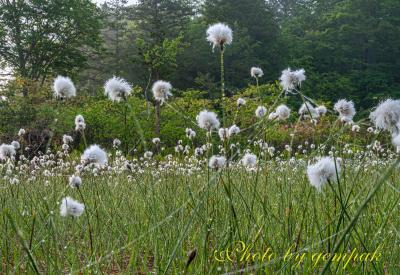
(387, 116)
(198, 151)
(208, 120)
(3, 98)
(240, 102)
(117, 88)
(261, 111)
(396, 142)
(75, 181)
(7, 152)
(190, 133)
(256, 72)
(219, 35)
(355, 128)
(306, 109)
(116, 143)
(148, 154)
(21, 132)
(370, 130)
(67, 139)
(282, 112)
(233, 130)
(94, 154)
(321, 110)
(346, 110)
(156, 140)
(161, 90)
(249, 160)
(63, 87)
(217, 162)
(272, 116)
(290, 80)
(71, 207)
(80, 124)
(223, 133)
(326, 169)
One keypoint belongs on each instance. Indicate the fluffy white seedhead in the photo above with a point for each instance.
(208, 120)
(306, 109)
(240, 102)
(261, 111)
(21, 132)
(322, 171)
(75, 181)
(396, 142)
(355, 128)
(387, 116)
(148, 154)
(345, 109)
(256, 72)
(16, 145)
(223, 133)
(249, 160)
(7, 151)
(94, 154)
(156, 140)
(117, 88)
(290, 80)
(190, 133)
(80, 124)
(233, 130)
(217, 162)
(116, 143)
(219, 35)
(321, 110)
(71, 207)
(161, 90)
(272, 116)
(67, 139)
(282, 112)
(63, 87)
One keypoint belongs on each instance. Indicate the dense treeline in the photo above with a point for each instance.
(349, 48)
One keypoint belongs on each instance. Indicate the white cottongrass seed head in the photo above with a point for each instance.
(94, 155)
(80, 124)
(16, 145)
(7, 151)
(63, 87)
(21, 132)
(249, 160)
(233, 130)
(355, 128)
(117, 88)
(290, 80)
(223, 133)
(156, 140)
(307, 109)
(190, 133)
(256, 72)
(219, 35)
(75, 181)
(322, 171)
(321, 110)
(386, 116)
(282, 112)
(217, 162)
(71, 207)
(67, 139)
(208, 120)
(240, 102)
(345, 109)
(261, 111)
(161, 90)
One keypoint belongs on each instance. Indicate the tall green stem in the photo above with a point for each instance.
(222, 84)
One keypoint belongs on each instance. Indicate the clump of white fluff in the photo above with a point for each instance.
(307, 109)
(117, 88)
(190, 133)
(16, 145)
(75, 181)
(94, 154)
(223, 133)
(156, 140)
(21, 132)
(161, 90)
(240, 102)
(355, 128)
(217, 162)
(80, 124)
(71, 207)
(63, 87)
(282, 112)
(234, 130)
(208, 120)
(249, 160)
(256, 72)
(322, 171)
(261, 111)
(67, 139)
(345, 109)
(7, 151)
(321, 110)
(290, 80)
(219, 35)
(387, 116)
(396, 142)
